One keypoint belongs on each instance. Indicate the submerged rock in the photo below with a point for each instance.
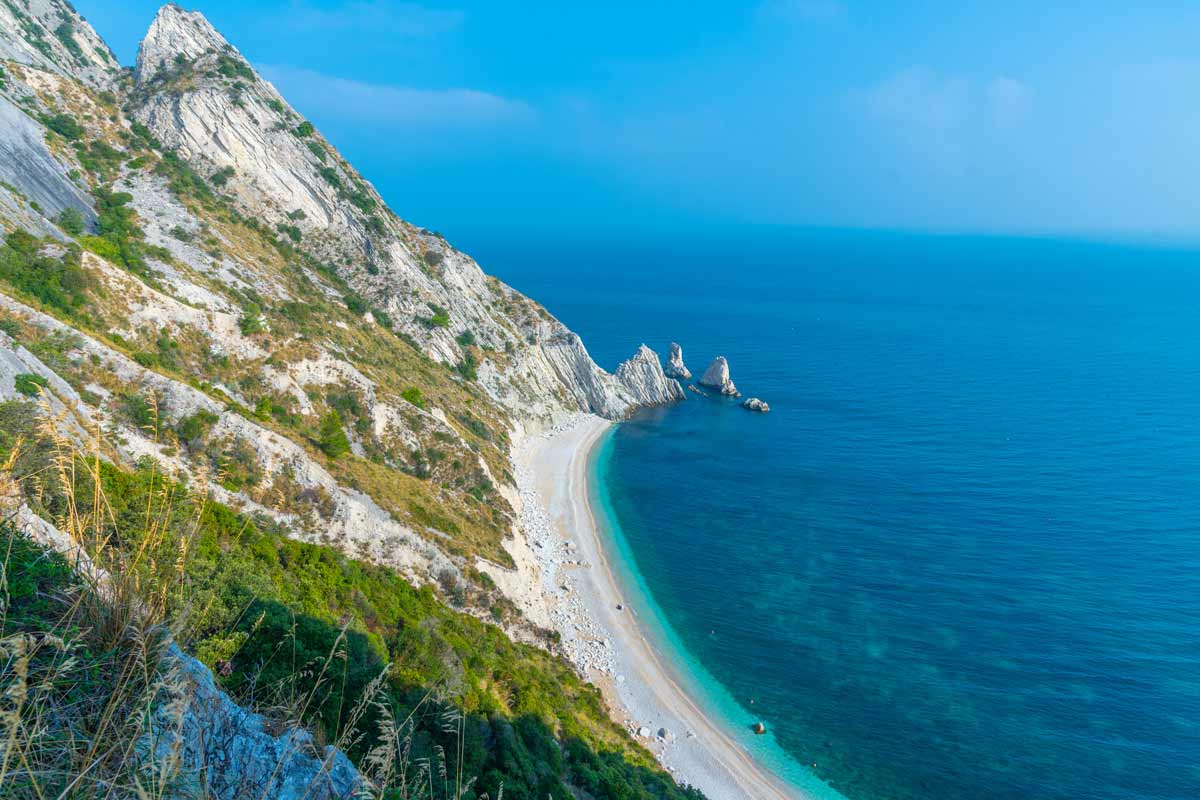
(675, 367)
(754, 404)
(717, 377)
(692, 388)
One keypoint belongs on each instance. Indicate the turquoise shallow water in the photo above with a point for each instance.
(961, 556)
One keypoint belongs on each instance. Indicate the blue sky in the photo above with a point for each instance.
(1081, 119)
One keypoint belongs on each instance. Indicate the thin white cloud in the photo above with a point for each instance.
(377, 16)
(371, 102)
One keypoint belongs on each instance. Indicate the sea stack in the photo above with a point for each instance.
(754, 404)
(717, 377)
(675, 367)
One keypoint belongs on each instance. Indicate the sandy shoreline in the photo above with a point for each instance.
(578, 594)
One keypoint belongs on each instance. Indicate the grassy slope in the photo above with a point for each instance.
(275, 612)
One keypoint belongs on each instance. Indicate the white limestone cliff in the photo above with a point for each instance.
(51, 35)
(284, 172)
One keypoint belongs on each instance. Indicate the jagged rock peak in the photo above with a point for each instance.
(49, 34)
(643, 377)
(717, 377)
(175, 33)
(675, 367)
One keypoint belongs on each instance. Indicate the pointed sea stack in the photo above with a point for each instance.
(675, 367)
(717, 377)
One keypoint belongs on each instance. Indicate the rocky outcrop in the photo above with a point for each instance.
(27, 164)
(228, 750)
(717, 377)
(642, 377)
(754, 404)
(50, 35)
(675, 367)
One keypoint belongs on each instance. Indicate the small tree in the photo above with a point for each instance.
(71, 221)
(333, 441)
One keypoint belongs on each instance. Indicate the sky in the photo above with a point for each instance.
(613, 117)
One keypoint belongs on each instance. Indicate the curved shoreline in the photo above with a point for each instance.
(583, 592)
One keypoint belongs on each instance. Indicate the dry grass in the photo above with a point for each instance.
(93, 702)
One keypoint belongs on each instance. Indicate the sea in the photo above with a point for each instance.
(960, 556)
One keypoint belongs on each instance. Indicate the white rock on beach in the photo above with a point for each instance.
(717, 377)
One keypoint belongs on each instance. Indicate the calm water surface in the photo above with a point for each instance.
(960, 558)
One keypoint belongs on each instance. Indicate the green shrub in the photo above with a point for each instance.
(440, 318)
(304, 130)
(70, 219)
(362, 200)
(65, 126)
(333, 440)
(221, 176)
(467, 367)
(331, 176)
(252, 321)
(291, 231)
(59, 283)
(231, 67)
(29, 384)
(317, 150)
(356, 304)
(413, 395)
(65, 33)
(193, 428)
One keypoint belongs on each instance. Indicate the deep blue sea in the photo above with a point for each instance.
(960, 557)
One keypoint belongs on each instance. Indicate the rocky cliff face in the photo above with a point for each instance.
(49, 34)
(197, 95)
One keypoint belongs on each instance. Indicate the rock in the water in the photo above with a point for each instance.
(692, 388)
(644, 732)
(759, 728)
(754, 404)
(643, 380)
(664, 734)
(717, 377)
(675, 367)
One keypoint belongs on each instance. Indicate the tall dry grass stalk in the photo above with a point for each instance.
(87, 685)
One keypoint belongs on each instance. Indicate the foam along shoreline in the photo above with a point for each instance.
(582, 594)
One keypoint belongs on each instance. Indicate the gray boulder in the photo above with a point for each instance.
(754, 404)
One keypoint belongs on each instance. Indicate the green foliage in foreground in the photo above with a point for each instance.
(271, 611)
